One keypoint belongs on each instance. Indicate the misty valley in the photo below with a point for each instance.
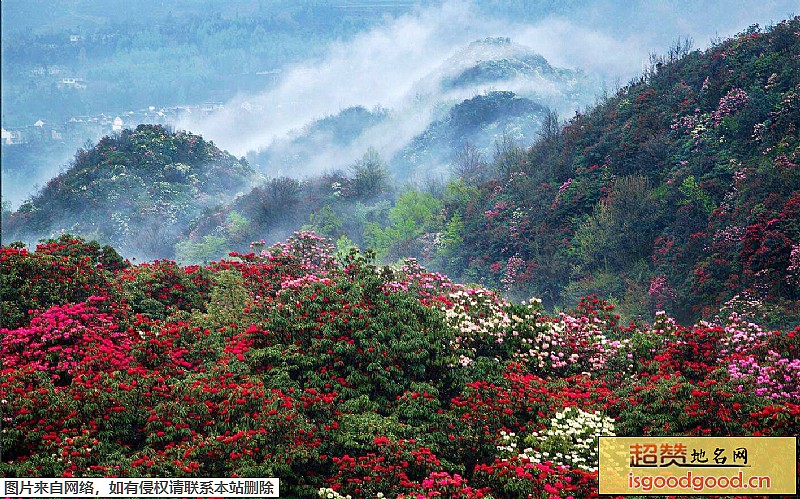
(394, 248)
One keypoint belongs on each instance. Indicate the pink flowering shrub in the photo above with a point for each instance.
(773, 376)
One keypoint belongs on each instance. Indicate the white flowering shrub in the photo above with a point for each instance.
(481, 323)
(573, 437)
(328, 493)
(571, 440)
(486, 325)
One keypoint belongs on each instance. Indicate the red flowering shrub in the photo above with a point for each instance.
(155, 289)
(65, 340)
(64, 270)
(347, 379)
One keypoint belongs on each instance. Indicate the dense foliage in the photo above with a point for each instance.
(309, 362)
(343, 378)
(136, 189)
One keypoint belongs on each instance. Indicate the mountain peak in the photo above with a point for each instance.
(494, 59)
(493, 40)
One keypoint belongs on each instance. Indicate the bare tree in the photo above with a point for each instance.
(433, 184)
(469, 165)
(679, 49)
(550, 133)
(283, 192)
(507, 155)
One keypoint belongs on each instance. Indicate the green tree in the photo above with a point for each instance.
(205, 250)
(409, 218)
(413, 213)
(621, 229)
(326, 222)
(694, 194)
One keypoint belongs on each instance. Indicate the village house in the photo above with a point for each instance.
(10, 137)
(76, 83)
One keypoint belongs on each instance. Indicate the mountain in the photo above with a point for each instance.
(680, 192)
(136, 189)
(501, 69)
(511, 89)
(499, 61)
(480, 121)
(489, 90)
(338, 132)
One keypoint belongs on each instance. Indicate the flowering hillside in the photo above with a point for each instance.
(679, 192)
(343, 378)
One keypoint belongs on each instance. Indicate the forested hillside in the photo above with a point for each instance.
(681, 191)
(138, 189)
(486, 90)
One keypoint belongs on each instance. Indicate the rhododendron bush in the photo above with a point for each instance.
(342, 378)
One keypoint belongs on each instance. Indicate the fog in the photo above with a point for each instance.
(378, 68)
(401, 64)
